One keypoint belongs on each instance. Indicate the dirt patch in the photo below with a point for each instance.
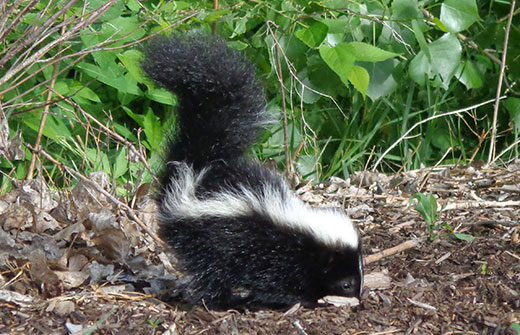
(77, 262)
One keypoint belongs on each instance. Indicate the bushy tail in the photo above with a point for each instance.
(220, 104)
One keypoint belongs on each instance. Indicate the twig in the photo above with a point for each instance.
(506, 150)
(429, 170)
(391, 251)
(94, 15)
(480, 204)
(129, 211)
(422, 304)
(45, 110)
(288, 163)
(492, 146)
(83, 53)
(293, 71)
(428, 120)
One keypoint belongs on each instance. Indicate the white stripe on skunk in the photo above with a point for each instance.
(283, 208)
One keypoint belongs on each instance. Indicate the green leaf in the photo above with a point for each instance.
(458, 15)
(125, 29)
(516, 327)
(382, 81)
(368, 53)
(446, 52)
(441, 25)
(121, 163)
(359, 78)
(512, 105)
(420, 68)
(337, 3)
(405, 9)
(340, 59)
(470, 76)
(98, 160)
(162, 95)
(337, 25)
(131, 60)
(426, 206)
(84, 92)
(464, 237)
(440, 138)
(419, 36)
(445, 57)
(213, 16)
(153, 130)
(306, 165)
(111, 75)
(112, 12)
(237, 45)
(55, 128)
(314, 35)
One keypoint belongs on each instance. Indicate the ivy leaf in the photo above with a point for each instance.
(340, 59)
(368, 53)
(314, 35)
(458, 15)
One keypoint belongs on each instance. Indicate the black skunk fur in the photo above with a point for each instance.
(243, 238)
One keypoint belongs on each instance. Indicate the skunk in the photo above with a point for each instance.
(241, 236)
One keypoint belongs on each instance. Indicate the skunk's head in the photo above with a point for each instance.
(338, 266)
(341, 272)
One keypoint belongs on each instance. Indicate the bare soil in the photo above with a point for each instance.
(76, 263)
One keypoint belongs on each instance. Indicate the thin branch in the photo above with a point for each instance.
(32, 36)
(492, 146)
(5, 15)
(458, 111)
(85, 52)
(45, 113)
(288, 164)
(391, 251)
(94, 15)
(506, 150)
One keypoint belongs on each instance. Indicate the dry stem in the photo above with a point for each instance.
(492, 146)
(391, 251)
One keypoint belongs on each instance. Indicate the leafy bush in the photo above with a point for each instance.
(361, 84)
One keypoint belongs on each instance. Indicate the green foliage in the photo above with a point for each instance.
(427, 207)
(516, 327)
(484, 269)
(155, 323)
(357, 76)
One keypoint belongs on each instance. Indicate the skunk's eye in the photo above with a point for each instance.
(346, 285)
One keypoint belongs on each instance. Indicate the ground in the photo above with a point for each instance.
(80, 262)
